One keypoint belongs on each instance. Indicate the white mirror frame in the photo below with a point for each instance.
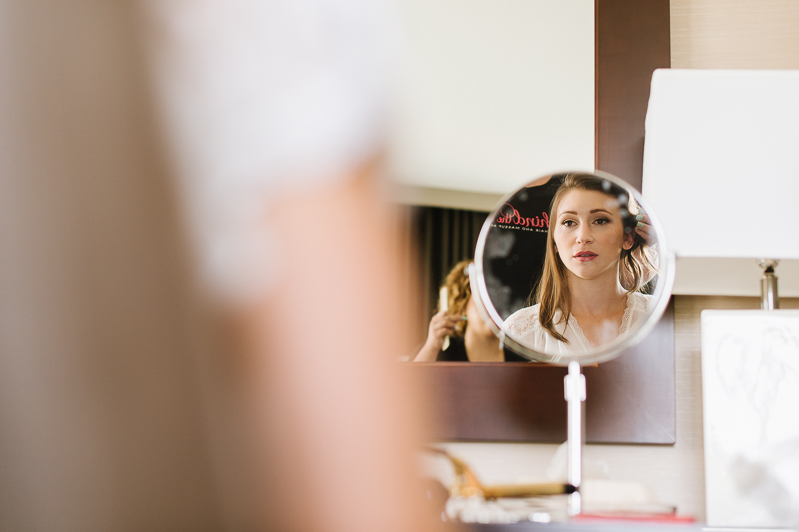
(608, 351)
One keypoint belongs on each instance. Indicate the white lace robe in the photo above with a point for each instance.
(525, 327)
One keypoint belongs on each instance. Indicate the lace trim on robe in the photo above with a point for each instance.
(633, 303)
(628, 314)
(636, 301)
(578, 331)
(520, 327)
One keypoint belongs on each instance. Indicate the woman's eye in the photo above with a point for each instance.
(601, 221)
(568, 223)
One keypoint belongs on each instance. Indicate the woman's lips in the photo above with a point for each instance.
(585, 256)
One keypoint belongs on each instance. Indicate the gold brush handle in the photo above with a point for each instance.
(467, 485)
(527, 490)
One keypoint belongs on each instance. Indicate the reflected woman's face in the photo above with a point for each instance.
(589, 234)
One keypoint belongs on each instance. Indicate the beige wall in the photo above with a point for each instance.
(704, 34)
(735, 34)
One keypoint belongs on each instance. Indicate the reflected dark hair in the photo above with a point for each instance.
(552, 293)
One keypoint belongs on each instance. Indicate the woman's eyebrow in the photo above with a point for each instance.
(592, 211)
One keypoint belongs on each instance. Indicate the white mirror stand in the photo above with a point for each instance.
(574, 391)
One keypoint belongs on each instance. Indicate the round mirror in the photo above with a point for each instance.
(572, 266)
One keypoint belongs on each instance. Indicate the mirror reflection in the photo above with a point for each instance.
(457, 332)
(569, 265)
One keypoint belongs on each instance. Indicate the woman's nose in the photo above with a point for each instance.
(584, 235)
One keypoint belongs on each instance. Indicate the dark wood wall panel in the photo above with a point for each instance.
(629, 400)
(632, 40)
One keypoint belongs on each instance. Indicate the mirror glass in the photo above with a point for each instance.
(572, 266)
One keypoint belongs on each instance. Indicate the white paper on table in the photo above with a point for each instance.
(750, 380)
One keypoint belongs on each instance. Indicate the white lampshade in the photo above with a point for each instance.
(721, 162)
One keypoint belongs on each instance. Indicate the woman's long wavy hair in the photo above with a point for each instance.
(458, 293)
(636, 264)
